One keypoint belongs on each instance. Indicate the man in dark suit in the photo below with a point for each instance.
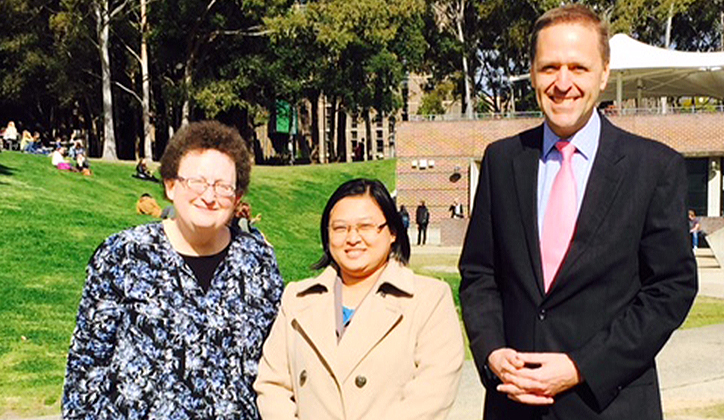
(576, 266)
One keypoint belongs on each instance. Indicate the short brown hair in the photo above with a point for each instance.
(208, 135)
(572, 13)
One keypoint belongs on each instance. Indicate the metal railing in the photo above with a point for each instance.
(611, 111)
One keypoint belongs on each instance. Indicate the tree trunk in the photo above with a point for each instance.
(102, 27)
(369, 152)
(148, 130)
(186, 107)
(317, 138)
(468, 105)
(343, 148)
(332, 130)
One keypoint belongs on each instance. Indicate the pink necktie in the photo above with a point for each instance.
(560, 216)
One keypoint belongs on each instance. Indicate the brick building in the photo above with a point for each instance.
(438, 161)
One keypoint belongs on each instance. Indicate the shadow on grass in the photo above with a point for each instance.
(6, 170)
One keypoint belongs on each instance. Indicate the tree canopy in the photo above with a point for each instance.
(233, 60)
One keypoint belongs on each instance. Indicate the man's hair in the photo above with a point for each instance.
(572, 13)
(208, 135)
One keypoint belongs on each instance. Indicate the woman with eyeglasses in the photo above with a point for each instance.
(366, 339)
(173, 314)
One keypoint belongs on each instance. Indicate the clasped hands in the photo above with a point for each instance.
(533, 378)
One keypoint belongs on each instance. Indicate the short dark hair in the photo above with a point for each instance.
(400, 249)
(572, 13)
(208, 135)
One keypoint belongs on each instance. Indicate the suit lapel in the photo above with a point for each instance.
(525, 170)
(603, 185)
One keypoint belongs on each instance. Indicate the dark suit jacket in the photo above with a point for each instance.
(626, 284)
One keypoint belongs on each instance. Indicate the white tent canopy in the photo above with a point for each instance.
(641, 70)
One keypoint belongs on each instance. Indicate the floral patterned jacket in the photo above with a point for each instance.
(150, 344)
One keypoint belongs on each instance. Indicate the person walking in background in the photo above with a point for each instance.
(174, 313)
(456, 210)
(367, 339)
(405, 217)
(422, 218)
(694, 229)
(576, 266)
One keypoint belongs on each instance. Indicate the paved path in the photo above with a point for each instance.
(691, 369)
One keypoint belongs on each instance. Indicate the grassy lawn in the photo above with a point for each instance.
(706, 311)
(715, 411)
(52, 221)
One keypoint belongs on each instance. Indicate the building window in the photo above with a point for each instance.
(354, 134)
(378, 120)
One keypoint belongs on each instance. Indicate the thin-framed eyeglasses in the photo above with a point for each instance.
(366, 230)
(200, 185)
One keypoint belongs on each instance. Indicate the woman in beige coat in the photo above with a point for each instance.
(367, 339)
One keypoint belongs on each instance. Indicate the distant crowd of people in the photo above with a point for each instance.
(65, 155)
(73, 159)
(24, 141)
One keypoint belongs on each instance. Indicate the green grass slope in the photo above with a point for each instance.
(52, 221)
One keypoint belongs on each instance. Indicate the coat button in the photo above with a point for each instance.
(542, 314)
(302, 378)
(360, 381)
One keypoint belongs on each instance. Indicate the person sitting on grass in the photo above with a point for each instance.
(242, 218)
(76, 148)
(146, 204)
(25, 140)
(142, 171)
(58, 159)
(35, 145)
(82, 165)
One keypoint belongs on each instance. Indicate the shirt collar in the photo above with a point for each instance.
(585, 139)
(395, 274)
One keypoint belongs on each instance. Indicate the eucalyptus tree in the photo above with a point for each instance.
(359, 54)
(211, 54)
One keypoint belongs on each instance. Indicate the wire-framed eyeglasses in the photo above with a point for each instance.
(200, 185)
(366, 230)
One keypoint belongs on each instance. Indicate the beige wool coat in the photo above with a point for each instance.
(400, 357)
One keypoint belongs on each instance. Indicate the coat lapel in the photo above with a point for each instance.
(603, 185)
(378, 314)
(525, 170)
(315, 319)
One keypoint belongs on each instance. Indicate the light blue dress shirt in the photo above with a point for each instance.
(586, 141)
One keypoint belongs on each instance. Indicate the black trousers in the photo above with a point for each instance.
(422, 233)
